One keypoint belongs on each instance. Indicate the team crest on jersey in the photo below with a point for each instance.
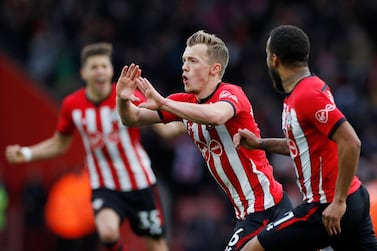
(322, 115)
(227, 94)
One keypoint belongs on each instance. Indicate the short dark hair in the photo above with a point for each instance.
(290, 44)
(96, 49)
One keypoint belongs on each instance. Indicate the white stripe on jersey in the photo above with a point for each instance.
(265, 184)
(303, 149)
(146, 162)
(94, 180)
(235, 161)
(219, 168)
(107, 128)
(91, 124)
(236, 164)
(321, 191)
(131, 155)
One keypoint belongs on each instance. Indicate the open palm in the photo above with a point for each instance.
(126, 84)
(154, 100)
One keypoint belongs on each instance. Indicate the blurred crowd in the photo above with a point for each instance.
(45, 37)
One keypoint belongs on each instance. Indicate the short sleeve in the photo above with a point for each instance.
(167, 117)
(65, 123)
(317, 107)
(235, 96)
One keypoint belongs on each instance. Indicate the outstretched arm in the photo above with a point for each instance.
(249, 140)
(211, 114)
(49, 148)
(130, 114)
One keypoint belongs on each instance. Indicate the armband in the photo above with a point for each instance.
(26, 151)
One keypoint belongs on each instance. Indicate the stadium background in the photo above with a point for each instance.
(40, 43)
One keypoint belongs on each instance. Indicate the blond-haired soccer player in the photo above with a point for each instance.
(212, 111)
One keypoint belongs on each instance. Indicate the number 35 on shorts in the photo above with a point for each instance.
(150, 220)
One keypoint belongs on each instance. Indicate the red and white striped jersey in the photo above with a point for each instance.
(245, 175)
(309, 119)
(115, 157)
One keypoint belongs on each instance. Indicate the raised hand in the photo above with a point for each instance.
(126, 84)
(154, 100)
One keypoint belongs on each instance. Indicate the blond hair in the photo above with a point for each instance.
(216, 48)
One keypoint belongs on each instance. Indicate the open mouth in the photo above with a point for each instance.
(100, 81)
(185, 79)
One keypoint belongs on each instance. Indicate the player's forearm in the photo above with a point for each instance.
(170, 130)
(50, 148)
(274, 145)
(127, 112)
(207, 114)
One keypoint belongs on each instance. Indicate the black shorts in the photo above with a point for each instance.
(246, 229)
(302, 228)
(141, 207)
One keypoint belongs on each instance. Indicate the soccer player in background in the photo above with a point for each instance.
(325, 152)
(212, 112)
(122, 180)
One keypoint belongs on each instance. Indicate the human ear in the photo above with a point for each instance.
(275, 60)
(216, 68)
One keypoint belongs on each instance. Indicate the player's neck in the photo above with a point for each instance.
(208, 89)
(294, 77)
(98, 94)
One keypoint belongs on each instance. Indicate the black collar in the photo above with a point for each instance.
(202, 101)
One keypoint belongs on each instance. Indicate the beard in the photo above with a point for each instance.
(276, 79)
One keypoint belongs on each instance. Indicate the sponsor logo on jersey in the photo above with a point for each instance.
(322, 115)
(98, 139)
(212, 148)
(227, 95)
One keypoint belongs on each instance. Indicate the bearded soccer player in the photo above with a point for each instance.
(325, 152)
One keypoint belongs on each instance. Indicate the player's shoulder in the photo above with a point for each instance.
(230, 90)
(230, 86)
(309, 86)
(75, 96)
